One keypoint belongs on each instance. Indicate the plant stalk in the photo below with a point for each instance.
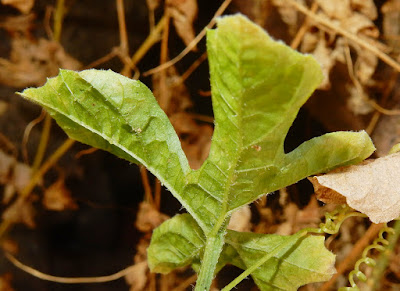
(209, 262)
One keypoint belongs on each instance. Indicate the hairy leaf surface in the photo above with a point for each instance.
(258, 86)
(117, 114)
(178, 242)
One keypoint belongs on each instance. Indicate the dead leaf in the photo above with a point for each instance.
(240, 219)
(5, 282)
(371, 188)
(153, 4)
(391, 23)
(137, 278)
(338, 9)
(366, 7)
(14, 175)
(195, 138)
(183, 13)
(23, 6)
(10, 246)
(148, 218)
(32, 62)
(21, 211)
(57, 197)
(289, 15)
(18, 24)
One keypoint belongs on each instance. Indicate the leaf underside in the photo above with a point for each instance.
(258, 86)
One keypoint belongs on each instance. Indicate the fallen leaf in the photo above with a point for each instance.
(391, 23)
(5, 282)
(371, 188)
(137, 278)
(23, 6)
(14, 175)
(240, 219)
(21, 211)
(183, 13)
(57, 197)
(339, 9)
(366, 7)
(148, 218)
(31, 62)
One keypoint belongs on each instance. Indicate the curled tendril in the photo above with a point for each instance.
(334, 219)
(380, 244)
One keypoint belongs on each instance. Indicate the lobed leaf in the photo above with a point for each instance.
(258, 86)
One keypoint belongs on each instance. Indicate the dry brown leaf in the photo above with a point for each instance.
(19, 23)
(338, 9)
(153, 4)
(240, 219)
(57, 197)
(137, 278)
(366, 7)
(183, 13)
(148, 218)
(32, 62)
(372, 188)
(195, 138)
(14, 175)
(21, 211)
(391, 23)
(24, 6)
(323, 54)
(289, 15)
(357, 101)
(5, 282)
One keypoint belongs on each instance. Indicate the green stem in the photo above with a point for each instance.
(264, 259)
(209, 262)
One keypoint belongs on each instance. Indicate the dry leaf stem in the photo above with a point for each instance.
(65, 280)
(364, 44)
(303, 29)
(193, 43)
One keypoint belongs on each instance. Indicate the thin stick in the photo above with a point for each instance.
(146, 185)
(27, 133)
(44, 140)
(85, 152)
(183, 286)
(193, 43)
(77, 280)
(364, 44)
(58, 20)
(163, 96)
(191, 69)
(372, 232)
(303, 29)
(123, 35)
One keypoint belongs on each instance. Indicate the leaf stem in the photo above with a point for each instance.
(263, 260)
(211, 255)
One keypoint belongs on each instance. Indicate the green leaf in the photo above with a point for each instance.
(175, 243)
(305, 261)
(179, 241)
(258, 86)
(117, 114)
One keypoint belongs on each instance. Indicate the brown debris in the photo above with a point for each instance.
(183, 13)
(23, 6)
(371, 188)
(57, 197)
(31, 62)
